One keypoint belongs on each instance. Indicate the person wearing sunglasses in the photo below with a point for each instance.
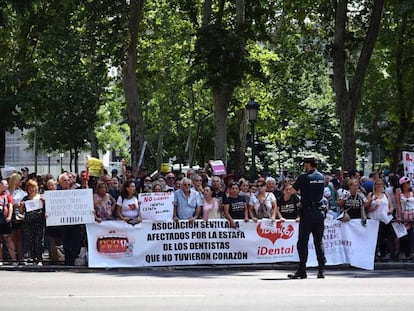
(188, 203)
(263, 204)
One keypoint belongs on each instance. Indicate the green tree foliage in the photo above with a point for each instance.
(388, 99)
(182, 72)
(17, 44)
(69, 82)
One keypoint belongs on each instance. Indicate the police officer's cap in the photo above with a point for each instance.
(309, 159)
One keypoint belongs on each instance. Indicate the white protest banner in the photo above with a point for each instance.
(156, 206)
(69, 207)
(348, 242)
(400, 229)
(268, 224)
(33, 205)
(7, 171)
(118, 244)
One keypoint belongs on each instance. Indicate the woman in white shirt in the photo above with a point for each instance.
(264, 204)
(127, 205)
(405, 213)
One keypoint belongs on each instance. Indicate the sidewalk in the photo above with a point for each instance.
(46, 267)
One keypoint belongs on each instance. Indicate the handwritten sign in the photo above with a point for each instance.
(399, 229)
(69, 207)
(33, 205)
(218, 167)
(7, 171)
(95, 167)
(156, 205)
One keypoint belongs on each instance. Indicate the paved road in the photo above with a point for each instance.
(181, 289)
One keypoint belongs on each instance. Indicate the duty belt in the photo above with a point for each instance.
(313, 205)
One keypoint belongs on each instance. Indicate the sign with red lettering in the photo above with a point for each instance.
(214, 242)
(156, 205)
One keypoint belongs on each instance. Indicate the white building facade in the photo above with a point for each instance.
(19, 155)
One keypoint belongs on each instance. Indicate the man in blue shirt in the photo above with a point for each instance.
(187, 202)
(310, 186)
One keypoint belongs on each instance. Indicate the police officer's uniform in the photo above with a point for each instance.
(312, 215)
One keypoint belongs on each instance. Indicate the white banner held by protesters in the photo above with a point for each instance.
(69, 207)
(118, 244)
(156, 206)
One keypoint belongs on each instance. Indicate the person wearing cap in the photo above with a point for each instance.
(170, 180)
(405, 213)
(114, 173)
(310, 185)
(25, 176)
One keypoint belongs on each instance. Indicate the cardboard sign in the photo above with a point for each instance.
(218, 167)
(69, 207)
(157, 206)
(95, 167)
(7, 171)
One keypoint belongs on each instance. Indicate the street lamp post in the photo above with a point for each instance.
(252, 108)
(61, 155)
(48, 162)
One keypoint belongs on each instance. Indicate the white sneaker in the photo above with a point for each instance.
(1, 263)
(15, 264)
(40, 263)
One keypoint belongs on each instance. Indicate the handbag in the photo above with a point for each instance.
(262, 211)
(408, 215)
(344, 216)
(4, 211)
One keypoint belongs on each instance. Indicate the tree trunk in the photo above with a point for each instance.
(221, 99)
(76, 160)
(160, 148)
(223, 94)
(2, 146)
(405, 108)
(240, 143)
(134, 109)
(94, 144)
(348, 98)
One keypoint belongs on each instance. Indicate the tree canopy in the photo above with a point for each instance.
(105, 75)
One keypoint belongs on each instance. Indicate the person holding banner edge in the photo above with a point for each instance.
(71, 234)
(311, 187)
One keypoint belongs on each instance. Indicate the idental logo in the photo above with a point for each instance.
(279, 232)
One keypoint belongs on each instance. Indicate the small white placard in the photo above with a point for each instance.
(399, 229)
(33, 205)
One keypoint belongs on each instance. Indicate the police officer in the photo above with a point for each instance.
(310, 186)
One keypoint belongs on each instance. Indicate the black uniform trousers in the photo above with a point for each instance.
(311, 221)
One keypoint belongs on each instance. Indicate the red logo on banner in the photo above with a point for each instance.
(281, 232)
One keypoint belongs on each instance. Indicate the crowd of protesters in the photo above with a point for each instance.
(197, 195)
